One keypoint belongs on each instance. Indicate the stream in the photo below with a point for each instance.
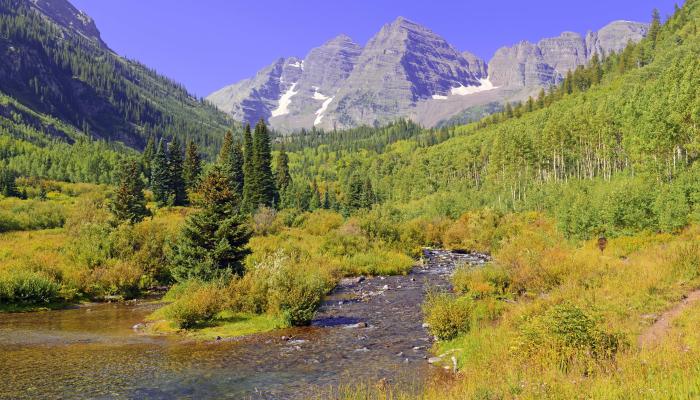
(366, 330)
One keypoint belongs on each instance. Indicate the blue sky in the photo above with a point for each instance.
(207, 44)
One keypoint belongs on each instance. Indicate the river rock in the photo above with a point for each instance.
(352, 281)
(356, 326)
(385, 287)
(434, 360)
(138, 327)
(362, 350)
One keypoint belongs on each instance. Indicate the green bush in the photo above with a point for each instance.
(447, 316)
(566, 335)
(295, 295)
(198, 305)
(25, 287)
(481, 282)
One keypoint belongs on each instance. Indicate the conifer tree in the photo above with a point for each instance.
(655, 27)
(263, 181)
(147, 158)
(282, 177)
(248, 170)
(160, 176)
(213, 241)
(175, 170)
(8, 183)
(129, 202)
(231, 158)
(315, 201)
(192, 167)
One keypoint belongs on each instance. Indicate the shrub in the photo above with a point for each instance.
(26, 287)
(320, 222)
(295, 295)
(447, 316)
(565, 334)
(197, 306)
(264, 221)
(377, 262)
(482, 282)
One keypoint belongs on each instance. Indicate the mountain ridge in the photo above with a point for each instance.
(408, 71)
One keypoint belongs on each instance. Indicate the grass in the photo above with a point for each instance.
(225, 324)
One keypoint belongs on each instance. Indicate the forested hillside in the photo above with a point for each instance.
(56, 71)
(612, 150)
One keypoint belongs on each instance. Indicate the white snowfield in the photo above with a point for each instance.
(285, 101)
(297, 64)
(484, 85)
(318, 95)
(439, 97)
(320, 111)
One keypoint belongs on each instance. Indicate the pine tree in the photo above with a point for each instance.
(147, 158)
(226, 148)
(368, 198)
(540, 99)
(175, 170)
(160, 176)
(8, 183)
(655, 27)
(264, 191)
(315, 201)
(192, 167)
(282, 176)
(213, 241)
(248, 170)
(231, 158)
(129, 202)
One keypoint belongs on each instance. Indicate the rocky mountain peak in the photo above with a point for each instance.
(407, 70)
(63, 13)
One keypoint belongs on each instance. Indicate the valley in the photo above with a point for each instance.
(394, 220)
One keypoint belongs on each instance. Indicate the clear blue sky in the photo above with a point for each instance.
(207, 44)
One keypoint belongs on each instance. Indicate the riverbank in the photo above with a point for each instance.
(366, 330)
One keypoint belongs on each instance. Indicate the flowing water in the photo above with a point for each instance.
(365, 331)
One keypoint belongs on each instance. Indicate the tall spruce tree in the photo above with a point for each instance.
(192, 167)
(263, 181)
(213, 241)
(231, 158)
(8, 183)
(248, 170)
(147, 158)
(160, 176)
(282, 177)
(129, 202)
(175, 170)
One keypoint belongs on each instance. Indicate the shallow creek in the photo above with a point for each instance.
(365, 331)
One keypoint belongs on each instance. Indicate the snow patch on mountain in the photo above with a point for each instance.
(439, 97)
(320, 111)
(285, 101)
(484, 85)
(318, 95)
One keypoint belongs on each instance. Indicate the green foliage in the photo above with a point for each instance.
(129, 203)
(192, 166)
(566, 334)
(213, 241)
(28, 288)
(160, 176)
(447, 316)
(176, 179)
(196, 305)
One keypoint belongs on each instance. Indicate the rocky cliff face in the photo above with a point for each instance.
(406, 70)
(547, 62)
(65, 14)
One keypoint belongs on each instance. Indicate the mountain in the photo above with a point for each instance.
(54, 61)
(406, 70)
